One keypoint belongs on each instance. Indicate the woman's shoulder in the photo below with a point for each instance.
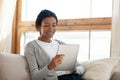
(31, 43)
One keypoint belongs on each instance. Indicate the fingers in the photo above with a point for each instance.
(57, 60)
(59, 57)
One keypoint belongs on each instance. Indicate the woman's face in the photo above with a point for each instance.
(48, 28)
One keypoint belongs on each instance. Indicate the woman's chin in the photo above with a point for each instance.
(50, 36)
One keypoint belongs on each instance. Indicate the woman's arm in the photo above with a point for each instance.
(36, 73)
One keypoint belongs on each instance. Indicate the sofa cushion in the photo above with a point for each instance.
(101, 69)
(97, 70)
(114, 61)
(13, 67)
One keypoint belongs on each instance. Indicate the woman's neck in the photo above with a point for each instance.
(44, 39)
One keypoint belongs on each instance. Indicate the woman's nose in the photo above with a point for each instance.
(51, 27)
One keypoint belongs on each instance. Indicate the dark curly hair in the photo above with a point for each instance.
(42, 15)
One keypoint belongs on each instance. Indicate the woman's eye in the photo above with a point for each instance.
(46, 25)
(54, 25)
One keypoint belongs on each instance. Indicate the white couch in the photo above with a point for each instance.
(15, 67)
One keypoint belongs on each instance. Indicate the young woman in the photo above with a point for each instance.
(41, 53)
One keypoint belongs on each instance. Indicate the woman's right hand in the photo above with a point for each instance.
(57, 60)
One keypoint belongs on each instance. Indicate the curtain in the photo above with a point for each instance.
(115, 41)
(7, 8)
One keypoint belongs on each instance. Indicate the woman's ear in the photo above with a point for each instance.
(39, 29)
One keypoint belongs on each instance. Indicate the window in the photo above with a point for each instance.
(93, 44)
(85, 22)
(72, 9)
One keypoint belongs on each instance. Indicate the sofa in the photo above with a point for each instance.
(15, 67)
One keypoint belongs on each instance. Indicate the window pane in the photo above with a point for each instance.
(101, 8)
(72, 9)
(100, 44)
(25, 38)
(65, 9)
(31, 8)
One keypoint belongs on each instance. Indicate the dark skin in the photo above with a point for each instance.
(47, 30)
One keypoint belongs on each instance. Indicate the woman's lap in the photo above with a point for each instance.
(72, 76)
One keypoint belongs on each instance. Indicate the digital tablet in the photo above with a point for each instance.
(70, 52)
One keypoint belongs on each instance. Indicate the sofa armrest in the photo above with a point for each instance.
(13, 67)
(116, 76)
